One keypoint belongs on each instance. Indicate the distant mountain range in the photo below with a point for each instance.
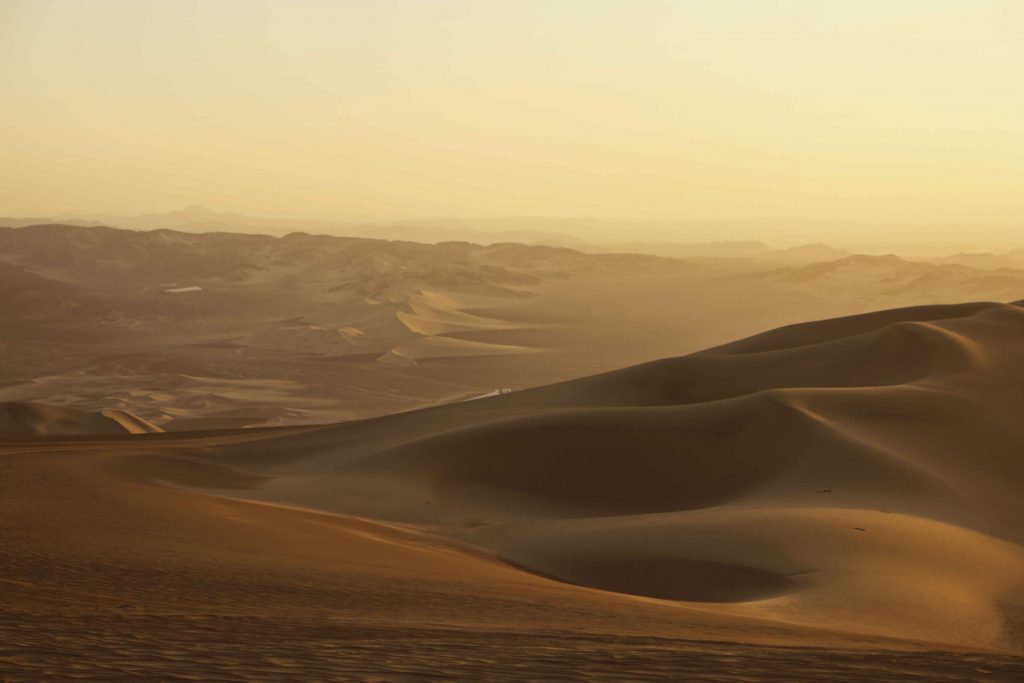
(895, 279)
(530, 231)
(44, 268)
(192, 218)
(526, 230)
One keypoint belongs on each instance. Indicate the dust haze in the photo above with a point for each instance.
(561, 341)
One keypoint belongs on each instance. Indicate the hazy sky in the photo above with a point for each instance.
(895, 110)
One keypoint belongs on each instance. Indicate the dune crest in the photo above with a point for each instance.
(438, 319)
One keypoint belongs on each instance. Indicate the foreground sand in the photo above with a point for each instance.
(105, 579)
(836, 501)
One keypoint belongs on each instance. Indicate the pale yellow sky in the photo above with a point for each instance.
(878, 110)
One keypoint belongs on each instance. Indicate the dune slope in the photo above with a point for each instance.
(860, 474)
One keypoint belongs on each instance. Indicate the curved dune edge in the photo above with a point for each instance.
(862, 474)
(865, 571)
(666, 578)
(433, 314)
(435, 317)
(30, 418)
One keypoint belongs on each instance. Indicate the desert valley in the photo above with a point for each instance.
(520, 461)
(221, 330)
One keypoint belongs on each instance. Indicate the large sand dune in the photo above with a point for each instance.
(860, 474)
(849, 483)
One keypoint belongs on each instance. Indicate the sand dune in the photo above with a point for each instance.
(433, 313)
(437, 319)
(841, 474)
(847, 483)
(107, 577)
(819, 483)
(39, 419)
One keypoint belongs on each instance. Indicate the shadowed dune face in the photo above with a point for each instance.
(606, 460)
(860, 473)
